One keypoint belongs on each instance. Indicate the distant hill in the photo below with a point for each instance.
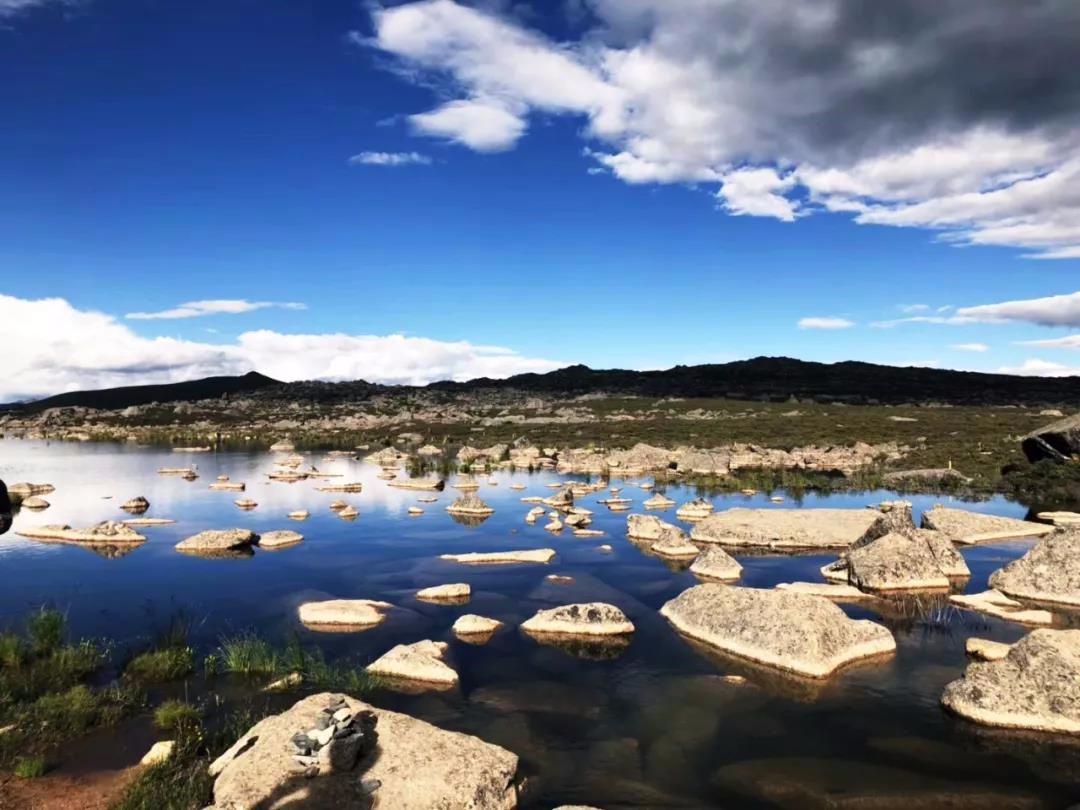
(114, 398)
(762, 378)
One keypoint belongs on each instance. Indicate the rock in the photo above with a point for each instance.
(416, 766)
(280, 539)
(429, 450)
(299, 514)
(246, 503)
(806, 635)
(995, 603)
(563, 499)
(986, 650)
(137, 505)
(534, 514)
(559, 579)
(457, 592)
(430, 483)
(228, 486)
(218, 540)
(352, 486)
(469, 504)
(159, 752)
(472, 625)
(554, 526)
(697, 509)
(22, 490)
(348, 513)
(290, 681)
(1049, 572)
(588, 533)
(415, 511)
(1059, 518)
(107, 533)
(605, 548)
(837, 593)
(658, 501)
(715, 563)
(586, 619)
(421, 662)
(895, 562)
(35, 503)
(282, 446)
(337, 506)
(577, 521)
(962, 526)
(675, 545)
(343, 614)
(647, 527)
(786, 528)
(1058, 441)
(1036, 686)
(937, 475)
(539, 555)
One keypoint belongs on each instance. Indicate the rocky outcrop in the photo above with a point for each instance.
(343, 614)
(418, 663)
(962, 526)
(539, 555)
(1035, 686)
(715, 563)
(107, 533)
(1049, 572)
(398, 762)
(469, 504)
(587, 619)
(801, 634)
(786, 528)
(282, 538)
(1058, 441)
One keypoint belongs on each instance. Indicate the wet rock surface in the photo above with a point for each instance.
(785, 528)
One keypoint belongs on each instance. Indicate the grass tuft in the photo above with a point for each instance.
(156, 666)
(249, 654)
(176, 714)
(46, 628)
(30, 767)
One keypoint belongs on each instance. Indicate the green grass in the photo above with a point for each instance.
(176, 714)
(181, 782)
(12, 650)
(157, 666)
(30, 767)
(45, 629)
(249, 654)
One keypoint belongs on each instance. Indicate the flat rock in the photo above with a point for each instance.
(35, 503)
(417, 766)
(454, 592)
(786, 528)
(1049, 572)
(299, 514)
(538, 555)
(108, 532)
(986, 650)
(159, 752)
(421, 662)
(715, 563)
(962, 526)
(341, 614)
(835, 592)
(280, 539)
(472, 625)
(647, 527)
(799, 633)
(584, 619)
(218, 540)
(995, 603)
(1035, 686)
(1057, 518)
(417, 483)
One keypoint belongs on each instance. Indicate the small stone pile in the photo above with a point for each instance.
(337, 742)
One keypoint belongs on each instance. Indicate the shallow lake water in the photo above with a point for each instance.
(654, 726)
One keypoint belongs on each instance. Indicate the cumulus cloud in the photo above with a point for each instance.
(1041, 368)
(825, 323)
(1054, 310)
(62, 348)
(224, 306)
(906, 117)
(390, 159)
(970, 347)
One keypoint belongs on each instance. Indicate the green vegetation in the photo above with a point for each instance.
(249, 654)
(181, 782)
(156, 666)
(176, 714)
(30, 767)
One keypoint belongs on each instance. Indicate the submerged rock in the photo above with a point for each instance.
(995, 603)
(1049, 572)
(962, 526)
(400, 762)
(218, 540)
(421, 663)
(786, 528)
(806, 635)
(1035, 686)
(715, 563)
(585, 619)
(539, 555)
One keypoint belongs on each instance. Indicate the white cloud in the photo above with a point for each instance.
(1067, 342)
(825, 323)
(390, 159)
(1041, 368)
(1055, 310)
(911, 309)
(970, 347)
(62, 348)
(198, 309)
(905, 118)
(9, 8)
(952, 320)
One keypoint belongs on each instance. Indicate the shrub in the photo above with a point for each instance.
(46, 630)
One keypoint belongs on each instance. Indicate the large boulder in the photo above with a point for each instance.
(962, 526)
(1035, 686)
(412, 766)
(786, 528)
(895, 562)
(1059, 441)
(1049, 572)
(798, 633)
(715, 563)
(420, 663)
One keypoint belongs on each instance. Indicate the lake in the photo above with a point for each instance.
(654, 726)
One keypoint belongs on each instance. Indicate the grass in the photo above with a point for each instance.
(45, 629)
(157, 666)
(176, 714)
(30, 767)
(249, 654)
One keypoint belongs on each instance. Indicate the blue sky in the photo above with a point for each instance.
(158, 153)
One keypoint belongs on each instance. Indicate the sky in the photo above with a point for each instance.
(410, 191)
